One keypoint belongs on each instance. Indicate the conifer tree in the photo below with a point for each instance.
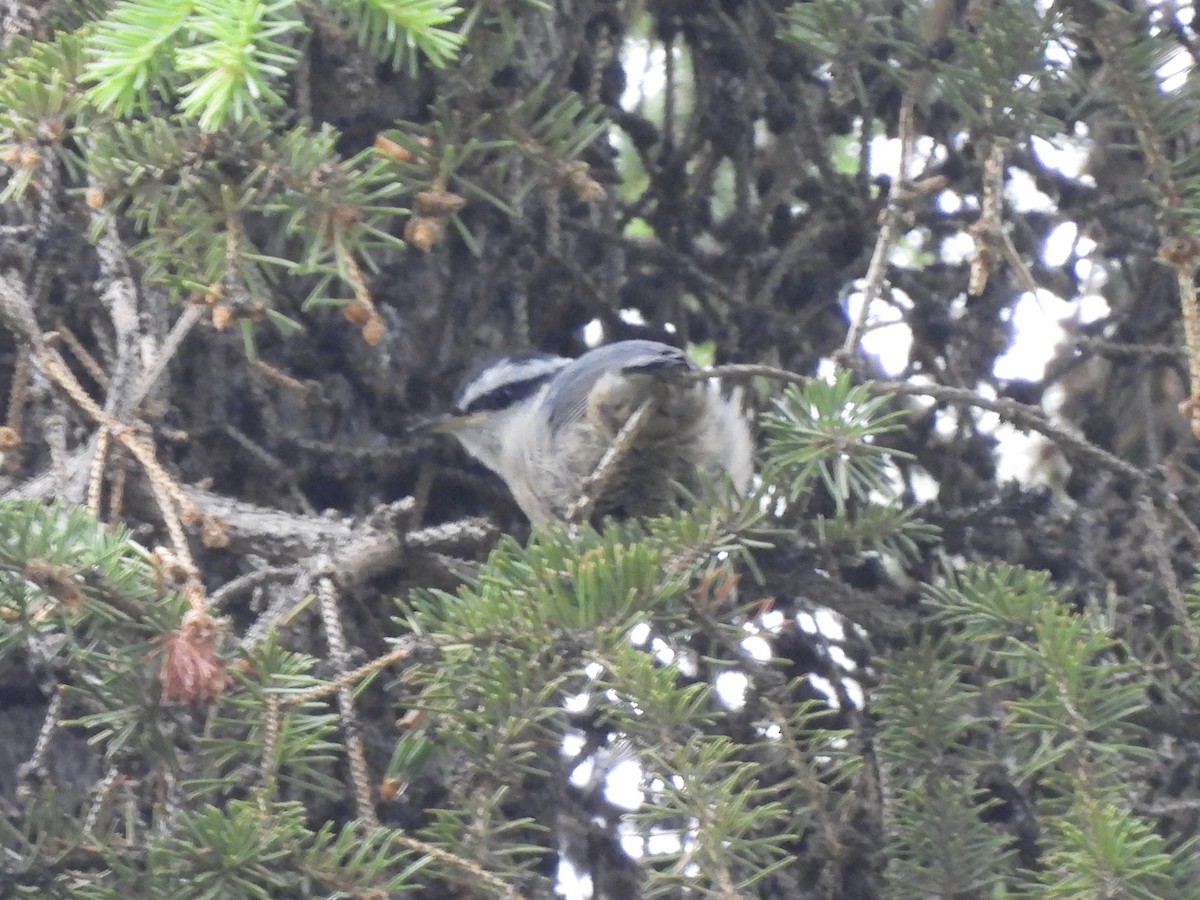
(262, 636)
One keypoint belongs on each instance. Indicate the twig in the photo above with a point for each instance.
(283, 379)
(55, 427)
(889, 231)
(1027, 417)
(1158, 548)
(18, 397)
(472, 868)
(405, 647)
(14, 305)
(37, 759)
(1182, 255)
(462, 532)
(116, 491)
(986, 231)
(120, 297)
(80, 352)
(272, 727)
(1119, 350)
(190, 316)
(251, 580)
(593, 487)
(95, 484)
(327, 597)
(992, 242)
(167, 494)
(100, 793)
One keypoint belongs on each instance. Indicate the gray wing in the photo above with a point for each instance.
(566, 400)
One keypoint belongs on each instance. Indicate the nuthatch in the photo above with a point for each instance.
(543, 423)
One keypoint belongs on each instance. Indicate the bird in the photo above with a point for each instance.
(544, 423)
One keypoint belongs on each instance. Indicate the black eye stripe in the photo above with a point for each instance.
(496, 383)
(506, 394)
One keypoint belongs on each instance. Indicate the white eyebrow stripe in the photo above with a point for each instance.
(507, 372)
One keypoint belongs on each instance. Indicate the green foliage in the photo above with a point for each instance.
(1065, 740)
(556, 583)
(828, 435)
(941, 844)
(829, 431)
(1073, 676)
(39, 88)
(999, 77)
(88, 598)
(547, 626)
(131, 53)
(1100, 850)
(230, 196)
(306, 745)
(236, 67)
(58, 569)
(250, 849)
(39, 96)
(396, 30)
(238, 53)
(830, 27)
(181, 188)
(478, 828)
(737, 830)
(498, 157)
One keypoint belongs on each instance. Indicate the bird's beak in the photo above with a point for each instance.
(446, 423)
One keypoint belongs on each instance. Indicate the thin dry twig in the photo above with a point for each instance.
(50, 722)
(992, 242)
(405, 647)
(55, 428)
(1182, 255)
(95, 484)
(283, 379)
(1022, 415)
(889, 231)
(116, 491)
(173, 501)
(327, 597)
(101, 791)
(593, 488)
(272, 728)
(80, 352)
(251, 580)
(18, 397)
(191, 314)
(1157, 548)
(472, 868)
(120, 297)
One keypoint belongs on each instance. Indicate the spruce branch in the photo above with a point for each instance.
(241, 60)
(1072, 725)
(1022, 415)
(396, 30)
(130, 52)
